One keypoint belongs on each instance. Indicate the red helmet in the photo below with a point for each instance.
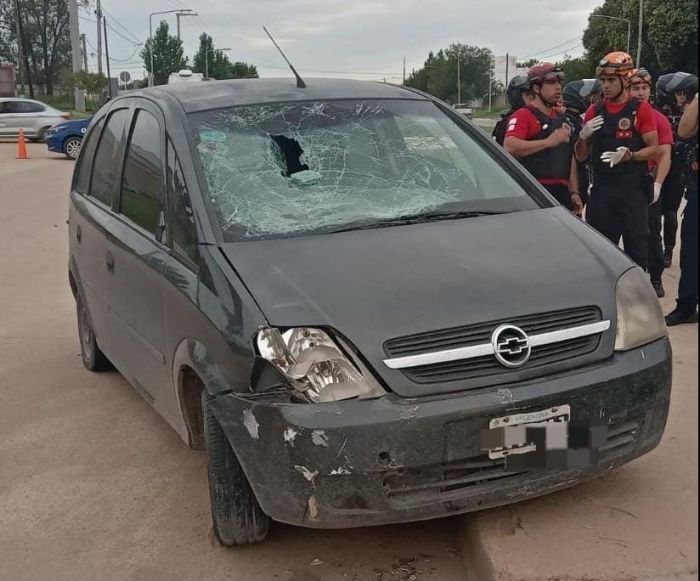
(615, 63)
(542, 72)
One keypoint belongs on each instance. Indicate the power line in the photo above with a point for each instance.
(119, 34)
(563, 51)
(556, 46)
(124, 28)
(127, 59)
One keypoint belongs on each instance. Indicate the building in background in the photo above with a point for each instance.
(8, 82)
(501, 69)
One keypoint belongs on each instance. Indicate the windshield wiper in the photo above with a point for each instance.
(414, 219)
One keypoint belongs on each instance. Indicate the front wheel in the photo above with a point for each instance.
(71, 147)
(236, 514)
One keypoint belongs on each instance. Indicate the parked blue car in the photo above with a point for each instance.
(66, 138)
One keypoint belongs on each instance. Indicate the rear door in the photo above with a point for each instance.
(137, 241)
(96, 186)
(32, 117)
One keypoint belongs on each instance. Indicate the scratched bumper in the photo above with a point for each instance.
(394, 459)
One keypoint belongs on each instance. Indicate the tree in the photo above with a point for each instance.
(439, 73)
(577, 68)
(168, 55)
(93, 83)
(219, 65)
(46, 34)
(669, 35)
(526, 64)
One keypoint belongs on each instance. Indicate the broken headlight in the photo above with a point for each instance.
(315, 365)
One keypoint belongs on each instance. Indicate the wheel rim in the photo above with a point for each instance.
(85, 331)
(73, 148)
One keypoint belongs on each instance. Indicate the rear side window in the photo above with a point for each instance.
(142, 185)
(105, 175)
(87, 153)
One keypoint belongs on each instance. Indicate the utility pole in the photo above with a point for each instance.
(507, 59)
(459, 84)
(75, 51)
(98, 13)
(490, 82)
(20, 54)
(639, 35)
(109, 77)
(404, 70)
(20, 38)
(85, 63)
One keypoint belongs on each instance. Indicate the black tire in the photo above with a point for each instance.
(92, 356)
(41, 136)
(71, 147)
(236, 515)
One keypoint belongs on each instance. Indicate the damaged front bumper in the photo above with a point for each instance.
(392, 459)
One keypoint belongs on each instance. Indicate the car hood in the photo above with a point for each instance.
(374, 285)
(73, 125)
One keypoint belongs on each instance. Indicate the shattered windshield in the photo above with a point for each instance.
(289, 169)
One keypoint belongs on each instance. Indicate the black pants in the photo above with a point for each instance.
(620, 209)
(562, 193)
(656, 246)
(688, 285)
(671, 197)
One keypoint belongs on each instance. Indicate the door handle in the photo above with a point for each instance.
(110, 262)
(79, 234)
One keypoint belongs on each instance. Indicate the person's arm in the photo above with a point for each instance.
(664, 166)
(688, 125)
(576, 200)
(582, 149)
(649, 151)
(522, 148)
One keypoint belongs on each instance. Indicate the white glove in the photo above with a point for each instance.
(614, 157)
(591, 127)
(657, 193)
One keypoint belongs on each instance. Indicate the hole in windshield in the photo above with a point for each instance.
(292, 169)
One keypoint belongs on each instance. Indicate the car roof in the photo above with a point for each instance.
(216, 94)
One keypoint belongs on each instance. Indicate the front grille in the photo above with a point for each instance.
(481, 333)
(416, 483)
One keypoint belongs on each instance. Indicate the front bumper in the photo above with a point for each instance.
(54, 144)
(393, 459)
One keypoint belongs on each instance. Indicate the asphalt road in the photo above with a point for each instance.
(95, 485)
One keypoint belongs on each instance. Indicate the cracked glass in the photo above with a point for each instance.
(290, 169)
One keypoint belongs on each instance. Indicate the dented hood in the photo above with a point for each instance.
(375, 285)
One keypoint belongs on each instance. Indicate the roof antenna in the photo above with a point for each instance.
(300, 82)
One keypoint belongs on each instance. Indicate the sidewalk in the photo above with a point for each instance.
(636, 523)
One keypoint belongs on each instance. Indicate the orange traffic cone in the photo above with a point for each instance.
(22, 146)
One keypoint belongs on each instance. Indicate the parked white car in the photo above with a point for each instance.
(33, 116)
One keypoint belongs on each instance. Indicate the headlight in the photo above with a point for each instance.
(640, 319)
(315, 365)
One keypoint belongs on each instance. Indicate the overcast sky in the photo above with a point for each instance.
(366, 39)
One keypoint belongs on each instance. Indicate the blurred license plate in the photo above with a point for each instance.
(560, 413)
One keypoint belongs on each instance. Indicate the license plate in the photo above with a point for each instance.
(560, 413)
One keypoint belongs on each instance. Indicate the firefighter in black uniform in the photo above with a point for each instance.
(519, 95)
(578, 96)
(685, 85)
(619, 134)
(686, 310)
(540, 137)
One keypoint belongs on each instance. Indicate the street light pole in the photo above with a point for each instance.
(177, 16)
(206, 59)
(639, 35)
(151, 77)
(627, 20)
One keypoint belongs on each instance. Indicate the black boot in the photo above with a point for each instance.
(658, 288)
(668, 257)
(680, 317)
